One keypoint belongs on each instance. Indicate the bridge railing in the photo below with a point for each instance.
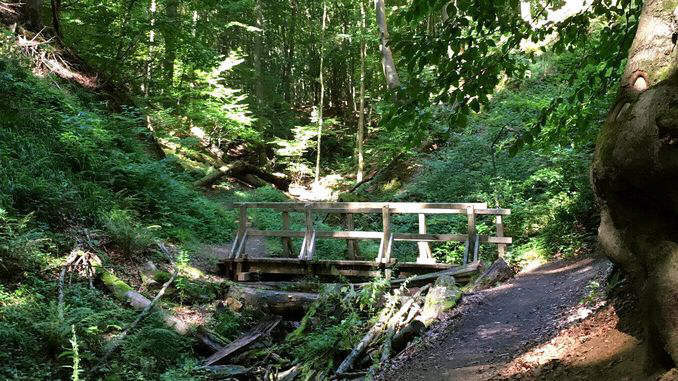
(310, 234)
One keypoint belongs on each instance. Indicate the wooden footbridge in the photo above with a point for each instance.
(240, 267)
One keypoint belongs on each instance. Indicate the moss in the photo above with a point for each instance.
(118, 287)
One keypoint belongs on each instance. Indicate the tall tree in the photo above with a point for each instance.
(56, 17)
(322, 91)
(634, 172)
(390, 72)
(360, 135)
(170, 25)
(31, 13)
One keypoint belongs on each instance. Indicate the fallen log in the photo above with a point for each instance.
(243, 171)
(374, 332)
(397, 322)
(261, 329)
(420, 280)
(285, 303)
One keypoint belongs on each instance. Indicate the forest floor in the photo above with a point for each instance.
(525, 330)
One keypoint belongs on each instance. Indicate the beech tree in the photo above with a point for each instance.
(634, 172)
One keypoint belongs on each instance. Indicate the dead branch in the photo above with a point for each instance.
(118, 340)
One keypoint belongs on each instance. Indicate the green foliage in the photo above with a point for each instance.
(23, 248)
(327, 331)
(65, 158)
(34, 335)
(547, 189)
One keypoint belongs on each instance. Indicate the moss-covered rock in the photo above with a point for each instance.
(442, 297)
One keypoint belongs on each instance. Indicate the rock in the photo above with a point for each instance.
(671, 375)
(234, 304)
(500, 271)
(441, 297)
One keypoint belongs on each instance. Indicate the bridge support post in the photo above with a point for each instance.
(387, 238)
(288, 248)
(425, 255)
(471, 235)
(352, 245)
(501, 248)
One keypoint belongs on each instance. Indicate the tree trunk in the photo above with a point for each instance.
(360, 136)
(169, 34)
(322, 93)
(149, 58)
(56, 17)
(258, 54)
(289, 65)
(634, 171)
(31, 14)
(390, 73)
(284, 303)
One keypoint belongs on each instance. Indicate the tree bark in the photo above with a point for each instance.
(390, 72)
(31, 14)
(56, 17)
(284, 303)
(169, 35)
(634, 171)
(360, 135)
(258, 54)
(322, 93)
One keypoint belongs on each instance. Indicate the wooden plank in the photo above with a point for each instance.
(348, 207)
(288, 248)
(240, 235)
(378, 235)
(351, 245)
(311, 247)
(476, 246)
(424, 247)
(501, 248)
(384, 255)
(429, 237)
(263, 328)
(498, 211)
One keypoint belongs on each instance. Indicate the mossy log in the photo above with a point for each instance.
(127, 294)
(284, 303)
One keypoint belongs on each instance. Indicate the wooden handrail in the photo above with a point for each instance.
(387, 237)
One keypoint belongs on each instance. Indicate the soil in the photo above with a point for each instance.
(532, 328)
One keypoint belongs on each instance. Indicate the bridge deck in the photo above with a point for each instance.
(244, 269)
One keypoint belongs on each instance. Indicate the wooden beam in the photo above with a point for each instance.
(288, 248)
(352, 248)
(413, 237)
(424, 247)
(501, 248)
(385, 247)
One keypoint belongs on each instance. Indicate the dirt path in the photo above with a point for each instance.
(492, 327)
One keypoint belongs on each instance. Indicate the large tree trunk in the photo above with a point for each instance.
(634, 173)
(31, 14)
(56, 17)
(390, 73)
